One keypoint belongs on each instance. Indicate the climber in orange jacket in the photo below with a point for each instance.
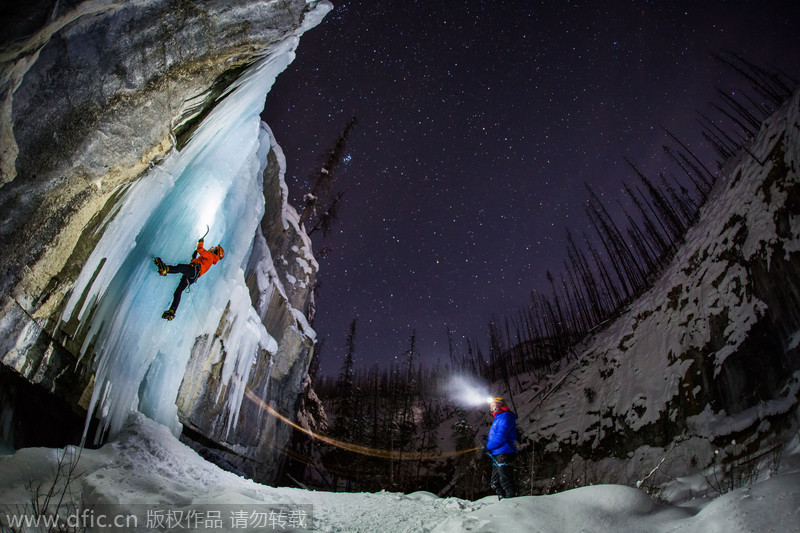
(202, 260)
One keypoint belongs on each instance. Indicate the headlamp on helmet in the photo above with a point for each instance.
(495, 402)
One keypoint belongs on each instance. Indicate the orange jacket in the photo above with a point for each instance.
(204, 258)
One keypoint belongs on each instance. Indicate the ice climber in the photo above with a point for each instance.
(501, 449)
(202, 260)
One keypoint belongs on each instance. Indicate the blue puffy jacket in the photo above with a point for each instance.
(502, 434)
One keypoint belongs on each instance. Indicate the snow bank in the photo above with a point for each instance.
(147, 468)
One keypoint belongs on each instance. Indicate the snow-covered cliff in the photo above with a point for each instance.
(705, 367)
(128, 131)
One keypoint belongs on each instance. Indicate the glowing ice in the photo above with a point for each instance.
(118, 299)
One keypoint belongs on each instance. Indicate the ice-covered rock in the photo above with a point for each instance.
(127, 128)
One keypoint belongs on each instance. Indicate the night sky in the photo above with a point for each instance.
(478, 125)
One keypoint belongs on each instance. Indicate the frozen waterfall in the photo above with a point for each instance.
(216, 180)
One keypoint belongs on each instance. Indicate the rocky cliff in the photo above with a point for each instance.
(96, 95)
(704, 369)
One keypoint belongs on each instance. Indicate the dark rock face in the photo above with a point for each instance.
(92, 94)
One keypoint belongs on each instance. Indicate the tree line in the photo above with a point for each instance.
(631, 243)
(399, 409)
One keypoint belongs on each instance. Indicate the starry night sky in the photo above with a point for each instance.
(478, 125)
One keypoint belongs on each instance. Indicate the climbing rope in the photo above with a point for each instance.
(356, 448)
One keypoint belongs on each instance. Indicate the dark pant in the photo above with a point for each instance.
(503, 475)
(189, 273)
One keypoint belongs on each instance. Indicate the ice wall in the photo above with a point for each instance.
(117, 301)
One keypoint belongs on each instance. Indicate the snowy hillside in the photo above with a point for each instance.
(149, 474)
(703, 369)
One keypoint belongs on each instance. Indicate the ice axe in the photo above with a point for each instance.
(204, 234)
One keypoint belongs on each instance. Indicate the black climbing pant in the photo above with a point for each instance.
(503, 475)
(189, 273)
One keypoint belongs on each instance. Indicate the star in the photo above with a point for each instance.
(477, 130)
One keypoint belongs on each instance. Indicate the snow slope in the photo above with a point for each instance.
(706, 357)
(147, 468)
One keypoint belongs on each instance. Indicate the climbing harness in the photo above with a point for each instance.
(494, 461)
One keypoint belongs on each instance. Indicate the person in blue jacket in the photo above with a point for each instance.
(501, 449)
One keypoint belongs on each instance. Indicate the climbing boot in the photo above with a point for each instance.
(162, 268)
(169, 314)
